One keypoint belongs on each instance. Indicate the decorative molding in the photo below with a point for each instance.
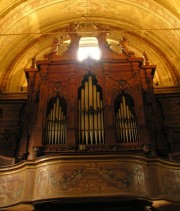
(163, 57)
(78, 176)
(55, 88)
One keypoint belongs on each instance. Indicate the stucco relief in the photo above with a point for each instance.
(85, 7)
(11, 189)
(25, 18)
(6, 3)
(23, 26)
(157, 9)
(20, 11)
(81, 5)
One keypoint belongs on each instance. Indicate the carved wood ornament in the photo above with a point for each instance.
(92, 111)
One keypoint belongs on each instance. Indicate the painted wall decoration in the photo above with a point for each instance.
(101, 176)
(169, 182)
(11, 189)
(80, 179)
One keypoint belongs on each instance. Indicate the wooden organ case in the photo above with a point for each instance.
(106, 105)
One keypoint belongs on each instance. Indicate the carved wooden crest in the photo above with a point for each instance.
(56, 88)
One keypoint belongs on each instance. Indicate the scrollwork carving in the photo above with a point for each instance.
(123, 43)
(56, 88)
(63, 181)
(121, 180)
(38, 151)
(54, 48)
(22, 156)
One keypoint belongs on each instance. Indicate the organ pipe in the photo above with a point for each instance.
(86, 113)
(126, 124)
(99, 117)
(91, 125)
(102, 123)
(82, 115)
(95, 116)
(55, 129)
(90, 87)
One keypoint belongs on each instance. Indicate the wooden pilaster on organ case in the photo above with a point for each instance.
(158, 139)
(26, 138)
(137, 94)
(147, 74)
(36, 141)
(72, 106)
(108, 105)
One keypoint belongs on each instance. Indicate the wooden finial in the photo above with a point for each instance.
(33, 63)
(123, 43)
(145, 58)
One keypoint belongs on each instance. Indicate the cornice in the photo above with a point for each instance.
(164, 91)
(87, 157)
(13, 96)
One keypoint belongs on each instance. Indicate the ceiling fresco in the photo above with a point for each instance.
(27, 28)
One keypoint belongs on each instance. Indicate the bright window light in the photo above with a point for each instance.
(88, 47)
(85, 52)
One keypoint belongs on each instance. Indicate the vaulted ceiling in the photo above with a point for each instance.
(27, 28)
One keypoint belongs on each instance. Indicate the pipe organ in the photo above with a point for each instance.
(88, 118)
(97, 114)
(91, 121)
(55, 128)
(125, 121)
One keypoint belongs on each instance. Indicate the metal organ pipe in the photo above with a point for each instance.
(102, 122)
(95, 116)
(126, 125)
(91, 126)
(90, 86)
(99, 117)
(86, 113)
(55, 133)
(82, 116)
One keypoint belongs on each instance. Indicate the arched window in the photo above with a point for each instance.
(125, 119)
(91, 121)
(88, 47)
(55, 128)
